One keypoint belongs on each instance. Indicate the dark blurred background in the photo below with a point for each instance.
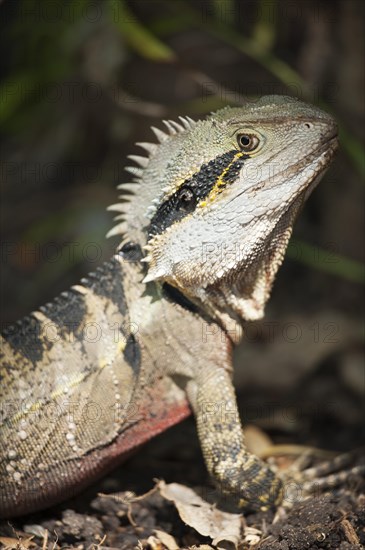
(83, 80)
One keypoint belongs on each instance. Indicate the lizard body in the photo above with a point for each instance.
(145, 339)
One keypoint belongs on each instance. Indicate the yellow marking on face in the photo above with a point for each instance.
(220, 184)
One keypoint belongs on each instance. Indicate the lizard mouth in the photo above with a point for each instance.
(324, 155)
(331, 144)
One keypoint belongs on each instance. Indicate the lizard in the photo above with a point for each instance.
(147, 338)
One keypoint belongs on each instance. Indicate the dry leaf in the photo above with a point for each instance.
(154, 543)
(252, 536)
(10, 543)
(166, 539)
(223, 527)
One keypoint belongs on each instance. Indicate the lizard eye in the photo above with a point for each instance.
(186, 200)
(248, 142)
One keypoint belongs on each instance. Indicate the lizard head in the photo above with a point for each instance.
(219, 197)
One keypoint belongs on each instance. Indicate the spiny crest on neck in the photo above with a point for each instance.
(140, 197)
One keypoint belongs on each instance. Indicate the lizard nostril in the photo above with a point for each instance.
(308, 125)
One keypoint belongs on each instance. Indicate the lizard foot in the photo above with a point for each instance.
(301, 481)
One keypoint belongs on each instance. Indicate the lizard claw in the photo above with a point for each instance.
(301, 482)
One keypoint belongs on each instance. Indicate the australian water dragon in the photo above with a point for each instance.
(128, 352)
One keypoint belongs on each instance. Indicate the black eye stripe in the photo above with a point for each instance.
(199, 185)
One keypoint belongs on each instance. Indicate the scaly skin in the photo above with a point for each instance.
(148, 337)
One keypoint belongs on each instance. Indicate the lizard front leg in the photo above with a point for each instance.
(233, 468)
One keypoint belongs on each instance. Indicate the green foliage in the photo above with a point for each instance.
(327, 261)
(137, 36)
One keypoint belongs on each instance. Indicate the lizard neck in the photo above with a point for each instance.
(132, 253)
